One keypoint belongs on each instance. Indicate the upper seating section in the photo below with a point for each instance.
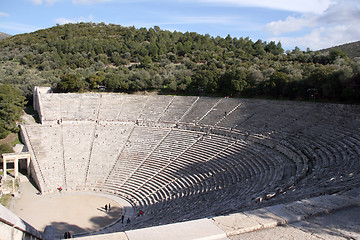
(155, 107)
(247, 115)
(56, 108)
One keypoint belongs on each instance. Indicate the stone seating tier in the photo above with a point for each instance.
(182, 158)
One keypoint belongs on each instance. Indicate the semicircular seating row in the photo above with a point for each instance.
(277, 151)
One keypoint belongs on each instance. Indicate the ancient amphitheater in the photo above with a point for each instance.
(184, 158)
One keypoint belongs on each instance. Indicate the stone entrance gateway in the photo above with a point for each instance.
(14, 157)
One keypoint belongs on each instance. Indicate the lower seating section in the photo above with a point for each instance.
(214, 171)
(169, 148)
(108, 141)
(240, 154)
(77, 141)
(48, 149)
(138, 147)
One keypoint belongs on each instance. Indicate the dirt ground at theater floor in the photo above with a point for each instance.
(73, 212)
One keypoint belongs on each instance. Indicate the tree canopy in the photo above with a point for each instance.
(84, 56)
(12, 103)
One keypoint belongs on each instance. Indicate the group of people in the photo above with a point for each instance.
(107, 207)
(67, 235)
(122, 219)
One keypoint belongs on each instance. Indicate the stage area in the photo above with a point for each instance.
(76, 212)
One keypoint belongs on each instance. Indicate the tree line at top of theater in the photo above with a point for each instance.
(88, 57)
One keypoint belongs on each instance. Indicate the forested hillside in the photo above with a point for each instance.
(12, 104)
(352, 50)
(81, 57)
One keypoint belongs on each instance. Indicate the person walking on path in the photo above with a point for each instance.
(122, 218)
(106, 207)
(109, 207)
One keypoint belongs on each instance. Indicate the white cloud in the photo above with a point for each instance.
(291, 24)
(345, 11)
(321, 38)
(314, 6)
(336, 25)
(341, 13)
(2, 14)
(62, 21)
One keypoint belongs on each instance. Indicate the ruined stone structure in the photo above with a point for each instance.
(15, 157)
(180, 158)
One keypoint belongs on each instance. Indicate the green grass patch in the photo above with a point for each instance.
(5, 148)
(5, 200)
(16, 141)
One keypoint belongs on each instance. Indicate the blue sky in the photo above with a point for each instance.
(313, 24)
